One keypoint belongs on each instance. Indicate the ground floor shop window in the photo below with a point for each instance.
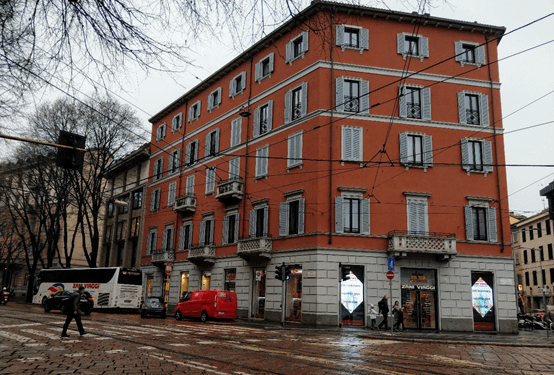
(184, 284)
(419, 298)
(258, 293)
(149, 284)
(293, 301)
(230, 277)
(206, 275)
(482, 298)
(352, 295)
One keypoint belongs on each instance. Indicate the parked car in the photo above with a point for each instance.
(54, 302)
(153, 306)
(206, 304)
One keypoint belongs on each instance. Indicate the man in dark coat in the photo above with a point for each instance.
(71, 309)
(384, 309)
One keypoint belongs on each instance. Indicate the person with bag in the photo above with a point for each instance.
(71, 309)
(384, 309)
(397, 310)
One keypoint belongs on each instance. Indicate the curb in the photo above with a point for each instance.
(453, 342)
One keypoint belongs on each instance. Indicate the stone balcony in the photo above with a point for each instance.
(230, 191)
(440, 245)
(202, 255)
(255, 249)
(161, 256)
(185, 205)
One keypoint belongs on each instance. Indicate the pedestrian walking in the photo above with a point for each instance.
(372, 316)
(384, 309)
(71, 309)
(399, 315)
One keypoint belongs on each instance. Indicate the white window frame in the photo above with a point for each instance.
(284, 222)
(176, 122)
(426, 150)
(363, 38)
(363, 95)
(483, 108)
(259, 74)
(486, 156)
(189, 190)
(194, 111)
(423, 46)
(256, 124)
(364, 211)
(424, 102)
(491, 227)
(211, 104)
(295, 150)
(303, 102)
(171, 193)
(418, 218)
(262, 156)
(155, 196)
(160, 132)
(210, 180)
(290, 57)
(236, 130)
(478, 51)
(348, 138)
(225, 234)
(233, 90)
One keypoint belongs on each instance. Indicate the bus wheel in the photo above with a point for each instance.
(204, 316)
(178, 315)
(45, 306)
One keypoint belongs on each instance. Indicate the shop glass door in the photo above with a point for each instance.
(419, 298)
(352, 306)
(258, 293)
(293, 300)
(482, 298)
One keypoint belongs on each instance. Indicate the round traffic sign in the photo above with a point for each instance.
(390, 275)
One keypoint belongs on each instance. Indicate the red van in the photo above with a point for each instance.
(206, 304)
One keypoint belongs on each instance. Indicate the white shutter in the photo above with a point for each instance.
(365, 216)
(235, 131)
(207, 145)
(423, 46)
(465, 154)
(400, 40)
(256, 123)
(170, 166)
(288, 106)
(480, 55)
(462, 107)
(216, 135)
(271, 62)
(340, 35)
(225, 230)
(403, 148)
(190, 185)
(289, 52)
(364, 97)
(232, 88)
(427, 151)
(266, 220)
(339, 218)
(212, 232)
(339, 104)
(484, 109)
(258, 71)
(182, 237)
(356, 144)
(171, 232)
(301, 211)
(164, 240)
(171, 193)
(468, 211)
(190, 235)
(148, 244)
(234, 168)
(153, 201)
(487, 156)
(426, 104)
(243, 81)
(252, 224)
(364, 38)
(265, 159)
(237, 227)
(347, 143)
(202, 233)
(283, 218)
(458, 50)
(402, 107)
(491, 217)
(197, 144)
(269, 115)
(304, 108)
(305, 43)
(187, 154)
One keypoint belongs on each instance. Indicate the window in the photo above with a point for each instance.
(230, 277)
(409, 45)
(296, 102)
(155, 200)
(352, 143)
(207, 232)
(160, 132)
(177, 122)
(234, 168)
(137, 199)
(263, 119)
(531, 233)
(541, 253)
(236, 127)
(416, 150)
(525, 257)
(297, 47)
(194, 111)
(167, 239)
(210, 180)
(185, 236)
(214, 99)
(237, 85)
(527, 278)
(480, 222)
(468, 53)
(174, 160)
(190, 185)
(151, 241)
(414, 102)
(291, 217)
(535, 279)
(349, 37)
(212, 143)
(264, 67)
(158, 169)
(295, 150)
(111, 209)
(418, 223)
(352, 95)
(171, 194)
(191, 156)
(258, 222)
(547, 227)
(230, 228)
(523, 235)
(124, 208)
(261, 161)
(473, 108)
(477, 156)
(135, 226)
(550, 255)
(352, 214)
(539, 230)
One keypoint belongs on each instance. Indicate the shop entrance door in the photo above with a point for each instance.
(419, 298)
(482, 298)
(258, 293)
(352, 306)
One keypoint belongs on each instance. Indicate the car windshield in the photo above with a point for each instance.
(154, 300)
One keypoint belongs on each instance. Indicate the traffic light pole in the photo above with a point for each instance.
(283, 301)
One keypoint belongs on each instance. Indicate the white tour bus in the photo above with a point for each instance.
(111, 287)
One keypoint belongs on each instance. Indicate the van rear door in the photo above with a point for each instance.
(226, 305)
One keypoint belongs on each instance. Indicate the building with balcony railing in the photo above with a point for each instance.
(332, 162)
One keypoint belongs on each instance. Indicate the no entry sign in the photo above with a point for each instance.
(390, 275)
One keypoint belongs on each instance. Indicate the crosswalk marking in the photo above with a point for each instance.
(42, 334)
(16, 337)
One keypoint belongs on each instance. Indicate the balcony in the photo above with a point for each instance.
(230, 191)
(202, 255)
(440, 245)
(185, 205)
(162, 256)
(255, 249)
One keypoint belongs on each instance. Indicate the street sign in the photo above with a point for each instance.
(390, 275)
(391, 264)
(168, 268)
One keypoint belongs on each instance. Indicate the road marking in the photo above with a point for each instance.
(115, 351)
(16, 337)
(178, 344)
(76, 355)
(19, 325)
(192, 364)
(147, 347)
(42, 334)
(206, 342)
(36, 344)
(439, 358)
(30, 359)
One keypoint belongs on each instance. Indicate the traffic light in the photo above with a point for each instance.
(68, 158)
(288, 271)
(280, 272)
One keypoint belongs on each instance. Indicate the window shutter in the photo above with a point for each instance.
(346, 143)
(202, 233)
(305, 42)
(426, 103)
(400, 39)
(153, 201)
(171, 194)
(289, 52)
(462, 107)
(288, 106)
(225, 230)
(340, 35)
(237, 227)
(258, 71)
(252, 224)
(182, 237)
(265, 153)
(212, 232)
(187, 154)
(164, 240)
(266, 220)
(196, 150)
(170, 166)
(271, 62)
(190, 235)
(301, 210)
(304, 108)
(190, 185)
(487, 156)
(235, 130)
(403, 148)
(365, 216)
(424, 46)
(364, 97)
(458, 51)
(243, 81)
(256, 123)
(218, 97)
(339, 105)
(468, 210)
(283, 218)
(402, 108)
(234, 168)
(232, 88)
(484, 109)
(465, 155)
(364, 38)
(269, 115)
(216, 140)
(356, 144)
(148, 244)
(163, 130)
(412, 224)
(339, 219)
(427, 151)
(207, 145)
(210, 104)
(480, 55)
(492, 224)
(170, 240)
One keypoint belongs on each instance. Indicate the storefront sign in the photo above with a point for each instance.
(505, 281)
